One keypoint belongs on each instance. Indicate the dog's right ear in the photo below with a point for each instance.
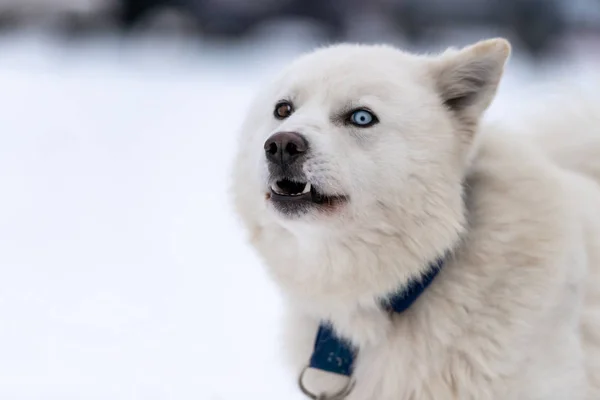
(467, 79)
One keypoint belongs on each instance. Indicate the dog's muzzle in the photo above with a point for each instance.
(290, 191)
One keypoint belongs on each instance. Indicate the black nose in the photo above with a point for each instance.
(285, 147)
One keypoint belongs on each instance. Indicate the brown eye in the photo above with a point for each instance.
(283, 109)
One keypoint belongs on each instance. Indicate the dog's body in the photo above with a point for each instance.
(515, 311)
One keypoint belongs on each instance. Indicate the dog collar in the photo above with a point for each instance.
(335, 354)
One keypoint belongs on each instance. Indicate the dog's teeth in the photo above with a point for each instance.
(283, 192)
(275, 188)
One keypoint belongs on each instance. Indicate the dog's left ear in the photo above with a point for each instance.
(467, 79)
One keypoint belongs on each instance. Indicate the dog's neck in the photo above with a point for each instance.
(336, 354)
(341, 273)
(342, 276)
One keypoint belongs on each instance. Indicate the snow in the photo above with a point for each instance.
(123, 271)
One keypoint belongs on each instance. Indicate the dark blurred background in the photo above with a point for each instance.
(535, 26)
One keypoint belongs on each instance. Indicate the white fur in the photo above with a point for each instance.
(515, 313)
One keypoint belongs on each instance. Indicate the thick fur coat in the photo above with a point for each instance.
(515, 312)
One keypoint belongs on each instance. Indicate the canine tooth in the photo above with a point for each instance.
(275, 188)
(306, 188)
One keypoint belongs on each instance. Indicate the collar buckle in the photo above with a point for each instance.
(340, 395)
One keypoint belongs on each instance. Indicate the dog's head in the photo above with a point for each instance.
(365, 142)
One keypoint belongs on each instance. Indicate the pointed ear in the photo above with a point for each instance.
(467, 79)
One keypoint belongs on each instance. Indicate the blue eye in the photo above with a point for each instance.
(362, 118)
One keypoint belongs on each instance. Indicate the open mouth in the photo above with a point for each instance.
(287, 188)
(294, 196)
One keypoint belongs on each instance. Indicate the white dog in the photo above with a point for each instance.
(424, 256)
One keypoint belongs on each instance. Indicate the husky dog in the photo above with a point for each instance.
(365, 180)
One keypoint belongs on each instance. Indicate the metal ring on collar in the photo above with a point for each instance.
(341, 395)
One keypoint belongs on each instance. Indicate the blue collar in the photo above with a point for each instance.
(335, 354)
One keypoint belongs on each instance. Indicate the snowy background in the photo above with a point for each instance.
(124, 274)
